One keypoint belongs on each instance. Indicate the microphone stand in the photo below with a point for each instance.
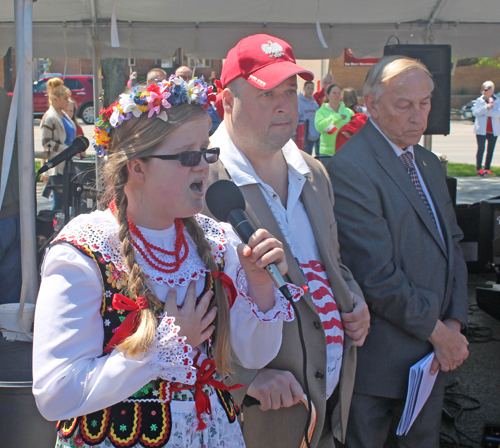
(67, 192)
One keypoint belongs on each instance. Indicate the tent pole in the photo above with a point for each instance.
(97, 73)
(27, 192)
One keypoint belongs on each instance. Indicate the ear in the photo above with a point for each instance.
(227, 100)
(136, 171)
(371, 105)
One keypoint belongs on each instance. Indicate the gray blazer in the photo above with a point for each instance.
(388, 239)
(283, 428)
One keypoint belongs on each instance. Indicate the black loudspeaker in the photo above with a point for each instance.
(451, 183)
(489, 234)
(437, 59)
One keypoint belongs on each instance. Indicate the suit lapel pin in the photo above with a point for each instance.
(423, 163)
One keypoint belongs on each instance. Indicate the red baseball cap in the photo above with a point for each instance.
(264, 61)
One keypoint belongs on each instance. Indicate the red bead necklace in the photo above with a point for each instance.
(180, 243)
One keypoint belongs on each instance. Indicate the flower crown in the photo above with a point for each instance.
(164, 94)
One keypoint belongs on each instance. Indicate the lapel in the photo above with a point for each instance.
(397, 172)
(261, 216)
(431, 182)
(310, 198)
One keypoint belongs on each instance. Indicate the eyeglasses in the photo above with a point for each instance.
(192, 158)
(486, 89)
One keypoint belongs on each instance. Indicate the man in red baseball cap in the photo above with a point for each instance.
(288, 193)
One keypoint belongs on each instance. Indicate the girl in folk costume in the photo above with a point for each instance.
(144, 307)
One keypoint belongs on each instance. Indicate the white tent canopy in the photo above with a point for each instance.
(209, 28)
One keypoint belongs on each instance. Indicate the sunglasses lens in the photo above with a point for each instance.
(190, 158)
(211, 156)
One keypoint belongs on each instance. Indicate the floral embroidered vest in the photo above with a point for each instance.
(144, 417)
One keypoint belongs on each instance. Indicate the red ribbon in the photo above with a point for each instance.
(227, 282)
(201, 399)
(131, 322)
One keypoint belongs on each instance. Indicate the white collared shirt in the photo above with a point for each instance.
(398, 151)
(296, 228)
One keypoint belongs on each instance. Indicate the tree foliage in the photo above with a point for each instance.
(489, 62)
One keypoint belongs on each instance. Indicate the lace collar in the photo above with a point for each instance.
(99, 231)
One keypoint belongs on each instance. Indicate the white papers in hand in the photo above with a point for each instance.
(420, 386)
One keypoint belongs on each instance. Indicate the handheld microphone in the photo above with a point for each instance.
(226, 202)
(79, 144)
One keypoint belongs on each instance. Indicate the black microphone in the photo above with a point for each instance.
(226, 202)
(79, 144)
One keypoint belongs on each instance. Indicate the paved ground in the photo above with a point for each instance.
(478, 378)
(460, 146)
(475, 189)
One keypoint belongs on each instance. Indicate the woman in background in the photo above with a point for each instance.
(71, 111)
(486, 126)
(330, 117)
(357, 121)
(58, 132)
(350, 97)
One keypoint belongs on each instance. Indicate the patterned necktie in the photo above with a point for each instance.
(407, 160)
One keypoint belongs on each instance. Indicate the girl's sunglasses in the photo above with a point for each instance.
(192, 158)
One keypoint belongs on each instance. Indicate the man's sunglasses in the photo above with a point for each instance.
(192, 158)
(486, 89)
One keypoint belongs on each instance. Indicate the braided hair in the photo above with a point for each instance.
(138, 138)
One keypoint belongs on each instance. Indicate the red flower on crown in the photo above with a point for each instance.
(109, 111)
(154, 88)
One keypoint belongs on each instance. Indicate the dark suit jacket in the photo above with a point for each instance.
(390, 242)
(284, 428)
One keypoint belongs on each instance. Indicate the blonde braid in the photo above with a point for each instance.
(222, 344)
(140, 341)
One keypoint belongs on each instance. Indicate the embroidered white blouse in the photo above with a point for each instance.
(71, 377)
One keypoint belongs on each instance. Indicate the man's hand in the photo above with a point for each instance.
(357, 322)
(275, 389)
(449, 344)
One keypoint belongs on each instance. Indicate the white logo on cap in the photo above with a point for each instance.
(273, 49)
(257, 80)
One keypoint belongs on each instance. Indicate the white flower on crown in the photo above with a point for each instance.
(193, 91)
(273, 49)
(128, 104)
(114, 120)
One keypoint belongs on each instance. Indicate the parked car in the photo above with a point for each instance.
(82, 91)
(467, 110)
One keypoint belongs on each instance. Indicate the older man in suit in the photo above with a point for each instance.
(399, 236)
(288, 193)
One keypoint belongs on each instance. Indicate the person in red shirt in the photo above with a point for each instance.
(486, 111)
(319, 96)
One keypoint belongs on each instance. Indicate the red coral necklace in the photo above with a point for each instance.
(180, 243)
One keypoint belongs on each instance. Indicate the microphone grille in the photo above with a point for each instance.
(222, 197)
(81, 142)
